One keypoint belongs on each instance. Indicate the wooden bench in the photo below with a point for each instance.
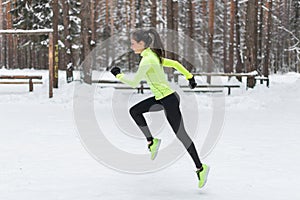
(140, 89)
(203, 91)
(29, 80)
(254, 75)
(247, 75)
(213, 87)
(262, 79)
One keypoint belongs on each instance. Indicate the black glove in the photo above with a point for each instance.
(192, 83)
(115, 71)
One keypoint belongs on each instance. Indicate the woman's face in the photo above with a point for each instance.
(137, 47)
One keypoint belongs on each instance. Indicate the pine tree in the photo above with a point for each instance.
(30, 15)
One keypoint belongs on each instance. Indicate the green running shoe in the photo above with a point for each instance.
(202, 175)
(153, 147)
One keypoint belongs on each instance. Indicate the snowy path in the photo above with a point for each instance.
(257, 157)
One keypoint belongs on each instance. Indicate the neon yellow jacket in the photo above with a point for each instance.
(151, 70)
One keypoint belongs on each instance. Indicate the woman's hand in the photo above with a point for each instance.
(192, 83)
(115, 71)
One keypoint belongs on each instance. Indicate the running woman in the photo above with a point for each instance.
(148, 44)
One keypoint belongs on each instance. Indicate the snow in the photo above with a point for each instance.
(75, 46)
(19, 31)
(61, 44)
(92, 42)
(42, 156)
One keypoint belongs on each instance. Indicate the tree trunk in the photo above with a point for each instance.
(153, 13)
(251, 40)
(164, 13)
(189, 48)
(268, 38)
(231, 38)
(175, 28)
(260, 35)
(1, 36)
(170, 38)
(111, 14)
(92, 24)
(286, 42)
(279, 44)
(85, 41)
(131, 26)
(140, 13)
(111, 11)
(170, 26)
(211, 34)
(130, 55)
(68, 65)
(107, 11)
(106, 33)
(204, 32)
(55, 41)
(33, 54)
(225, 63)
(296, 25)
(239, 64)
(97, 22)
(9, 37)
(132, 14)
(204, 16)
(211, 27)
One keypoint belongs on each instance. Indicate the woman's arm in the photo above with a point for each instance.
(139, 75)
(179, 67)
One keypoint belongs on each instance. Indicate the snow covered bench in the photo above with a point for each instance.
(211, 88)
(203, 88)
(229, 75)
(119, 85)
(262, 79)
(26, 79)
(255, 75)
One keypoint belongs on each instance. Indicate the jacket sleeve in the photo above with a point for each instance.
(179, 67)
(138, 76)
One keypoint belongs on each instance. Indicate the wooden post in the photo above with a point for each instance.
(55, 64)
(176, 78)
(30, 85)
(55, 41)
(51, 65)
(142, 88)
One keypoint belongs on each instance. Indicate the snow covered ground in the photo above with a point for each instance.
(42, 156)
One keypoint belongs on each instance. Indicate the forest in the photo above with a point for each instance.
(238, 35)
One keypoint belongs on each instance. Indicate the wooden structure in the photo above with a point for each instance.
(118, 85)
(48, 32)
(253, 75)
(29, 80)
(140, 89)
(210, 87)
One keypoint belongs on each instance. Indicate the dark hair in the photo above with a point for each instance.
(151, 39)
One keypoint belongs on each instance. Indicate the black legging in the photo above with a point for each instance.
(170, 105)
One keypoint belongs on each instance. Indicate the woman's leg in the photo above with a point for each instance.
(173, 114)
(137, 111)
